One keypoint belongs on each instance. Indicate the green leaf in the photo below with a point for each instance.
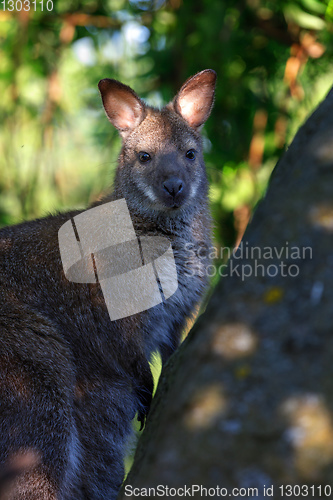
(303, 19)
(329, 11)
(315, 6)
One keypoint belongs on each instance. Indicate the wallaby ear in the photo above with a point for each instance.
(123, 107)
(195, 99)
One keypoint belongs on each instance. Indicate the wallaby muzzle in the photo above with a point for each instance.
(173, 191)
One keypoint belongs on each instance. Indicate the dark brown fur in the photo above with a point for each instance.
(71, 380)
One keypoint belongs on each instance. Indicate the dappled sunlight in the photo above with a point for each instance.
(23, 461)
(310, 433)
(206, 406)
(322, 148)
(273, 294)
(321, 216)
(233, 341)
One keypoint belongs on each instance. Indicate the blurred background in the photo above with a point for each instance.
(57, 149)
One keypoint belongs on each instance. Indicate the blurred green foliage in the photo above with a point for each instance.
(57, 150)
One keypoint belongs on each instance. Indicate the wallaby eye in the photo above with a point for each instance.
(144, 157)
(190, 154)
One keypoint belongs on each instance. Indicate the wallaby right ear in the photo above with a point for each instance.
(122, 106)
(195, 99)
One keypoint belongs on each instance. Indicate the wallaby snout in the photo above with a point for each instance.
(171, 180)
(173, 188)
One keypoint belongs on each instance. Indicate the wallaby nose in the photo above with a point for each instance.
(173, 186)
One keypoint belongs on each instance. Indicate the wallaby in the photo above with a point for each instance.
(72, 380)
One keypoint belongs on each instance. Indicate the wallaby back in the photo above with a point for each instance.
(71, 380)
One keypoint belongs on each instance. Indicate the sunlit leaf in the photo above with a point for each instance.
(316, 6)
(294, 13)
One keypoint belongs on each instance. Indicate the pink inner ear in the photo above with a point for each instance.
(123, 109)
(191, 108)
(126, 117)
(195, 104)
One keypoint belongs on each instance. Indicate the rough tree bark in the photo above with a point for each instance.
(247, 400)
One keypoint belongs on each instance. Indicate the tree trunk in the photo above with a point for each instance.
(247, 401)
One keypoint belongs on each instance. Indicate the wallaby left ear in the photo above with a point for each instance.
(122, 106)
(195, 99)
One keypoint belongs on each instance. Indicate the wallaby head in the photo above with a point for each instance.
(161, 165)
